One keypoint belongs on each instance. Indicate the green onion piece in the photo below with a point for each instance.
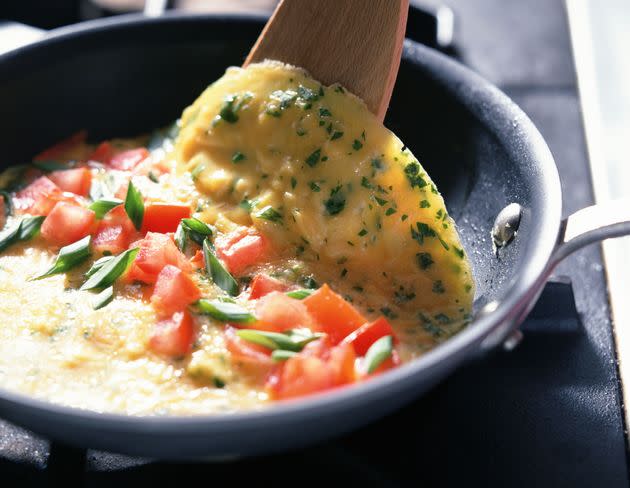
(25, 230)
(180, 237)
(282, 355)
(377, 353)
(49, 166)
(134, 206)
(197, 170)
(8, 204)
(110, 271)
(217, 272)
(69, 257)
(302, 336)
(103, 298)
(299, 294)
(225, 311)
(271, 340)
(98, 264)
(10, 237)
(101, 207)
(196, 230)
(269, 213)
(29, 227)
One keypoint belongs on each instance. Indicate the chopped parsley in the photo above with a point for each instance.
(314, 186)
(336, 135)
(365, 183)
(425, 260)
(380, 201)
(438, 287)
(362, 232)
(238, 156)
(390, 211)
(230, 108)
(412, 171)
(324, 112)
(423, 230)
(337, 201)
(269, 213)
(314, 157)
(424, 204)
(357, 144)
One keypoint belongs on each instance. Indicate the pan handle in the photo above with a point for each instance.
(586, 226)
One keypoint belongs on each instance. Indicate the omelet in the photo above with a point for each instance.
(294, 233)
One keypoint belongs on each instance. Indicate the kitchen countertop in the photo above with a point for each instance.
(546, 414)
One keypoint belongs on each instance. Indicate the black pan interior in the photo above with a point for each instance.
(128, 79)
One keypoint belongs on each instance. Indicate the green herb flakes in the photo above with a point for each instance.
(313, 158)
(425, 260)
(269, 213)
(337, 201)
(238, 156)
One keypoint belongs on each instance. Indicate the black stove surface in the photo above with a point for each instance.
(546, 414)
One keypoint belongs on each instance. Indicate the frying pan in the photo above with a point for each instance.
(132, 74)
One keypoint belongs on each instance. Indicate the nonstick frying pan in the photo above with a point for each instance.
(132, 74)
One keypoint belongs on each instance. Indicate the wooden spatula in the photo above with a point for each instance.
(357, 43)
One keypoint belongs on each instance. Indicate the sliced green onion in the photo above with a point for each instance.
(180, 238)
(377, 353)
(225, 311)
(110, 270)
(101, 207)
(98, 264)
(271, 340)
(8, 204)
(49, 166)
(196, 230)
(134, 206)
(302, 336)
(69, 257)
(299, 294)
(25, 230)
(282, 355)
(217, 272)
(103, 298)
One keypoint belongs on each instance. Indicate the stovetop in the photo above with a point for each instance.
(548, 413)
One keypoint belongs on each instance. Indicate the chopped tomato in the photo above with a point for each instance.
(198, 260)
(67, 223)
(240, 249)
(77, 181)
(334, 316)
(244, 351)
(173, 336)
(38, 198)
(263, 284)
(366, 335)
(103, 153)
(128, 160)
(317, 368)
(164, 217)
(278, 312)
(114, 233)
(156, 251)
(61, 148)
(174, 290)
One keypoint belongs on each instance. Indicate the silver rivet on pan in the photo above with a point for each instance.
(505, 225)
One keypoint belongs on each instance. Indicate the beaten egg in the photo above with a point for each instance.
(269, 161)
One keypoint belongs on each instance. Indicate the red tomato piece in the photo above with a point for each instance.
(128, 160)
(38, 198)
(67, 223)
(164, 217)
(334, 316)
(198, 260)
(156, 251)
(77, 181)
(366, 335)
(174, 291)
(263, 284)
(103, 153)
(278, 312)
(59, 149)
(246, 352)
(114, 233)
(317, 368)
(173, 336)
(240, 249)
